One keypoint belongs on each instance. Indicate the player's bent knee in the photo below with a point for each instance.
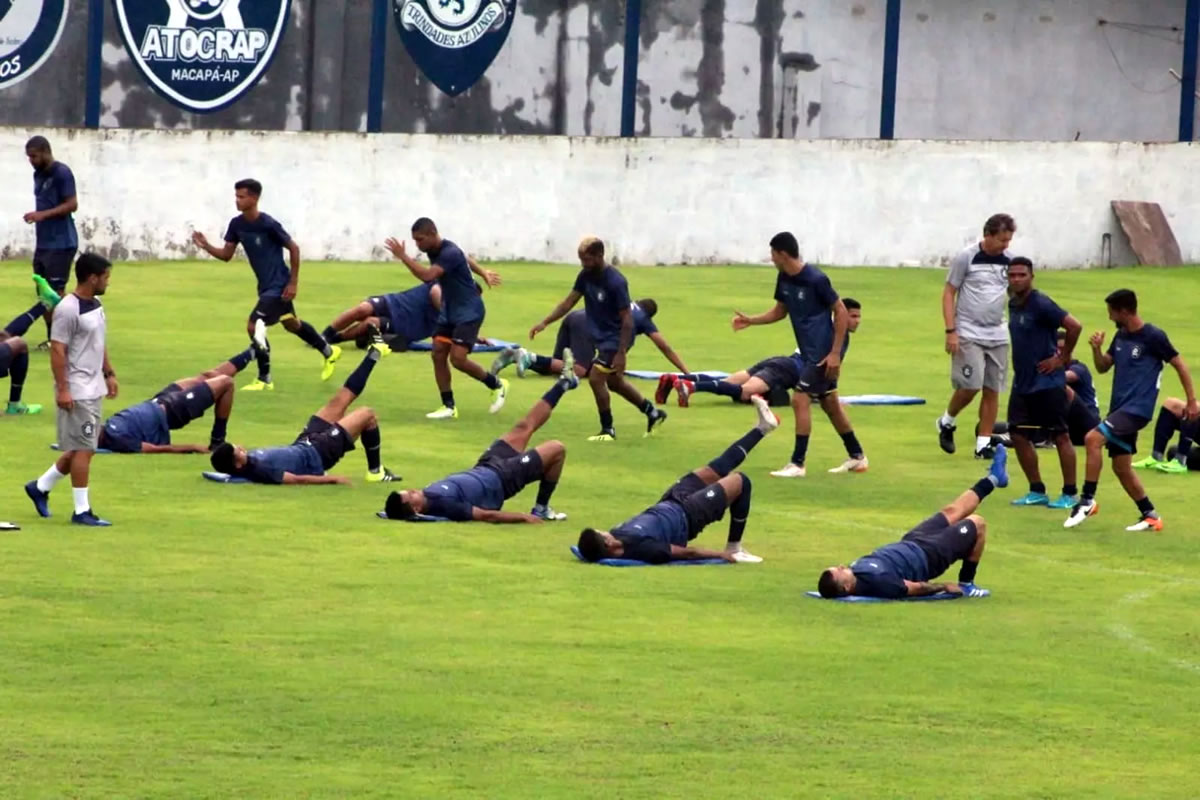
(1094, 438)
(980, 524)
(1174, 405)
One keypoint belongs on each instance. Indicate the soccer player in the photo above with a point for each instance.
(574, 333)
(263, 239)
(1138, 352)
(907, 568)
(14, 352)
(661, 533)
(461, 316)
(146, 427)
(610, 319)
(83, 375)
(55, 201)
(502, 471)
(329, 435)
(973, 308)
(407, 316)
(1039, 400)
(1172, 417)
(1083, 413)
(820, 321)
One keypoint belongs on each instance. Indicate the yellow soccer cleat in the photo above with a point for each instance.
(335, 353)
(259, 386)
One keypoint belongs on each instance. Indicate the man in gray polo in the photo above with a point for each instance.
(973, 303)
(82, 377)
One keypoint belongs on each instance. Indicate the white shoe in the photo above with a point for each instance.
(1081, 512)
(260, 335)
(443, 413)
(523, 360)
(507, 356)
(790, 471)
(767, 421)
(852, 465)
(499, 395)
(742, 557)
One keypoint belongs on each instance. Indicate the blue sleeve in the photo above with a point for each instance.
(579, 287)
(888, 586)
(620, 290)
(121, 444)
(452, 258)
(1052, 314)
(825, 292)
(231, 233)
(66, 184)
(642, 323)
(779, 289)
(279, 233)
(258, 474)
(1163, 347)
(652, 551)
(457, 510)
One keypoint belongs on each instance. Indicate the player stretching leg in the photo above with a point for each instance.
(14, 352)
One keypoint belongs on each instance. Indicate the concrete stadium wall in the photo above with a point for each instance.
(656, 200)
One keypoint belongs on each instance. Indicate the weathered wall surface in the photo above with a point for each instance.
(656, 200)
(976, 69)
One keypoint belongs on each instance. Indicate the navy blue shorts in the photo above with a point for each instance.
(1045, 410)
(703, 503)
(516, 470)
(779, 373)
(576, 337)
(272, 309)
(6, 358)
(329, 439)
(54, 266)
(1081, 419)
(184, 405)
(463, 334)
(815, 384)
(1121, 428)
(942, 542)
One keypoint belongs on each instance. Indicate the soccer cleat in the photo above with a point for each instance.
(335, 353)
(999, 467)
(567, 373)
(1081, 511)
(547, 513)
(1034, 499)
(524, 361)
(1149, 462)
(41, 500)
(743, 557)
(89, 519)
(654, 419)
(499, 395)
(1148, 522)
(971, 590)
(45, 292)
(605, 435)
(1171, 467)
(790, 471)
(945, 436)
(684, 389)
(258, 385)
(987, 451)
(666, 382)
(9, 526)
(43, 347)
(1063, 501)
(34, 408)
(260, 336)
(375, 341)
(445, 412)
(507, 356)
(384, 475)
(767, 420)
(852, 465)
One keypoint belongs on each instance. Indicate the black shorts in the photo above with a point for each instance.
(464, 334)
(703, 503)
(1121, 428)
(942, 542)
(54, 266)
(380, 308)
(579, 340)
(815, 384)
(272, 309)
(329, 439)
(6, 357)
(516, 470)
(780, 372)
(1045, 410)
(1081, 419)
(184, 405)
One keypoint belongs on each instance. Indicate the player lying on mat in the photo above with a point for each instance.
(661, 533)
(328, 436)
(14, 352)
(907, 567)
(503, 470)
(146, 427)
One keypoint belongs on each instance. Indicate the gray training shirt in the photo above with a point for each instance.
(982, 284)
(80, 325)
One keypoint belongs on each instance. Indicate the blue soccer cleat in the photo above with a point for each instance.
(1034, 499)
(1063, 501)
(999, 468)
(971, 590)
(89, 519)
(41, 500)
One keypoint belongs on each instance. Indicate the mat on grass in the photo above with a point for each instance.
(100, 451)
(413, 518)
(223, 477)
(490, 346)
(882, 400)
(855, 598)
(629, 562)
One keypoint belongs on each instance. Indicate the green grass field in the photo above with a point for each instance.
(246, 641)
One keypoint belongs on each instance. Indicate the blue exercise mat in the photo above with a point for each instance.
(413, 518)
(100, 451)
(648, 375)
(629, 562)
(492, 346)
(882, 400)
(222, 477)
(857, 598)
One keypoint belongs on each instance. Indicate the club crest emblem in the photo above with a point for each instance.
(1136, 352)
(202, 55)
(454, 41)
(29, 32)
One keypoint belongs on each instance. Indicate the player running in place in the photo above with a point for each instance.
(1138, 352)
(1172, 417)
(502, 471)
(264, 240)
(662, 532)
(14, 351)
(610, 319)
(329, 435)
(1039, 399)
(907, 567)
(407, 316)
(146, 427)
(461, 316)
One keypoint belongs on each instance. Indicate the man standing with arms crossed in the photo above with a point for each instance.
(82, 376)
(55, 199)
(973, 302)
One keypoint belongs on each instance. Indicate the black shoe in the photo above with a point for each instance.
(988, 452)
(655, 418)
(946, 437)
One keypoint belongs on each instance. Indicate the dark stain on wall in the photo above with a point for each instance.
(801, 61)
(813, 110)
(768, 17)
(715, 118)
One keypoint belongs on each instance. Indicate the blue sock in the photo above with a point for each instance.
(313, 339)
(1185, 449)
(736, 453)
(853, 448)
(739, 511)
(242, 359)
(371, 444)
(17, 370)
(724, 388)
(555, 392)
(983, 487)
(1164, 429)
(606, 421)
(541, 365)
(1089, 490)
(218, 429)
(263, 357)
(330, 335)
(1145, 506)
(491, 381)
(357, 381)
(1037, 487)
(23, 322)
(800, 451)
(448, 399)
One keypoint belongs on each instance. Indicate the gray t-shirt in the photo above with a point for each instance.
(80, 325)
(982, 284)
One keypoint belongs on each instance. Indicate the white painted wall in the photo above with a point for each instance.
(655, 200)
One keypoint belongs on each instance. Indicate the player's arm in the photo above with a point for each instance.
(776, 313)
(664, 347)
(290, 478)
(1058, 361)
(626, 338)
(289, 291)
(173, 448)
(58, 367)
(841, 323)
(695, 553)
(558, 313)
(420, 272)
(502, 517)
(490, 277)
(1192, 409)
(63, 209)
(110, 377)
(1102, 360)
(1070, 392)
(224, 252)
(925, 588)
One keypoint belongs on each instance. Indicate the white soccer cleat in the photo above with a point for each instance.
(507, 356)
(790, 471)
(852, 465)
(499, 395)
(524, 360)
(1081, 512)
(260, 336)
(443, 413)
(767, 421)
(743, 557)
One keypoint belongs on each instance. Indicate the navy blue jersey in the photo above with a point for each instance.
(648, 536)
(263, 240)
(52, 188)
(461, 302)
(146, 422)
(605, 295)
(883, 572)
(642, 323)
(453, 496)
(1084, 389)
(1033, 327)
(1138, 360)
(267, 465)
(412, 314)
(809, 298)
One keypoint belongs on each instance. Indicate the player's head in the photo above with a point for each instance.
(784, 248)
(997, 233)
(594, 545)
(425, 234)
(836, 582)
(854, 310)
(1122, 306)
(1020, 276)
(246, 193)
(404, 504)
(591, 253)
(37, 150)
(229, 458)
(649, 306)
(92, 272)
